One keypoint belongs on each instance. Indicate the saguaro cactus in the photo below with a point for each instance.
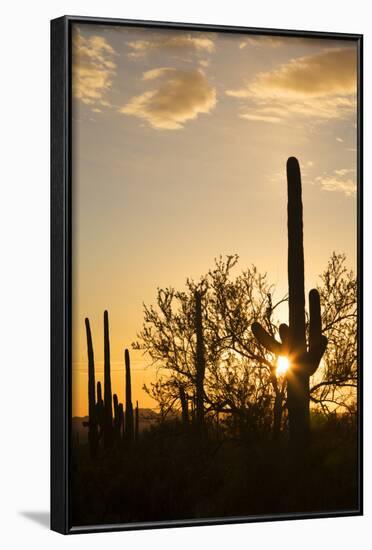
(100, 409)
(118, 418)
(93, 431)
(121, 415)
(116, 415)
(136, 423)
(129, 421)
(304, 359)
(108, 428)
(200, 360)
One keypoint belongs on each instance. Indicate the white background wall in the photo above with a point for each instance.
(24, 271)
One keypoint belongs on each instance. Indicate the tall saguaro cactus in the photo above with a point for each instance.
(108, 427)
(304, 358)
(129, 420)
(93, 431)
(200, 359)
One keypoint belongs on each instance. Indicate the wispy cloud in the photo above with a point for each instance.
(260, 117)
(320, 86)
(269, 42)
(261, 41)
(93, 69)
(175, 43)
(179, 97)
(342, 180)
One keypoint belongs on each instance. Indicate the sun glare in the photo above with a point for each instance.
(282, 365)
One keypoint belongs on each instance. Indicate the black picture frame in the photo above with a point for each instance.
(61, 296)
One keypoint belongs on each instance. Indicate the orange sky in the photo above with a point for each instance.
(180, 141)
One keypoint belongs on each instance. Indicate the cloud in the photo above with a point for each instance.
(344, 171)
(175, 43)
(327, 73)
(261, 40)
(93, 68)
(180, 96)
(267, 41)
(340, 140)
(342, 180)
(320, 86)
(262, 117)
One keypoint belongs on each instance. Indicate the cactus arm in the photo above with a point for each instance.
(116, 406)
(117, 421)
(99, 393)
(284, 333)
(315, 324)
(266, 340)
(317, 341)
(315, 355)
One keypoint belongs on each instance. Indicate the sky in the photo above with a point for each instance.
(180, 141)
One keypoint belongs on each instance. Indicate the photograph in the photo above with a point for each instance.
(215, 298)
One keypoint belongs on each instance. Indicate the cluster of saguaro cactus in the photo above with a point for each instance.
(107, 420)
(304, 358)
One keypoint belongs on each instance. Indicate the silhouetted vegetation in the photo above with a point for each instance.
(232, 435)
(304, 360)
(107, 421)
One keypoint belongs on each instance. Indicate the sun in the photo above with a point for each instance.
(282, 365)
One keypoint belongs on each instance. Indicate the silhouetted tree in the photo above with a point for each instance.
(199, 359)
(238, 376)
(233, 305)
(166, 394)
(334, 385)
(241, 379)
(174, 337)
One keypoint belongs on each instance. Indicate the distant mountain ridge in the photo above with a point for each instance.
(147, 417)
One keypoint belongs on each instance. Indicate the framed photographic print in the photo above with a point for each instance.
(206, 274)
